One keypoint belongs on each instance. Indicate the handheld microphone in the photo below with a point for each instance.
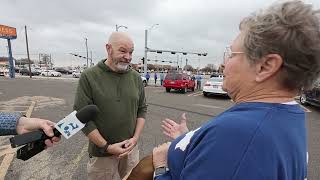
(67, 127)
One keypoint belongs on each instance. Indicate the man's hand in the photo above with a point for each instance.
(131, 143)
(26, 125)
(173, 129)
(118, 148)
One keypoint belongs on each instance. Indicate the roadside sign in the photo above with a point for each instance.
(7, 32)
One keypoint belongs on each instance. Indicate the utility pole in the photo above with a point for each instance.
(30, 73)
(87, 52)
(90, 58)
(39, 60)
(177, 62)
(50, 62)
(145, 52)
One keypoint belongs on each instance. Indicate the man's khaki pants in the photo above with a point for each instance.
(112, 168)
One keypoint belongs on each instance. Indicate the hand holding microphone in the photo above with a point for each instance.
(26, 125)
(35, 141)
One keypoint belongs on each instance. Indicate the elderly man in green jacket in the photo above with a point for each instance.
(119, 93)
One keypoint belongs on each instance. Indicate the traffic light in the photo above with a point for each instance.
(142, 60)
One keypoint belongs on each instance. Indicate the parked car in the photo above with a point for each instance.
(215, 74)
(214, 86)
(178, 81)
(144, 81)
(63, 70)
(311, 97)
(76, 74)
(51, 73)
(4, 71)
(34, 72)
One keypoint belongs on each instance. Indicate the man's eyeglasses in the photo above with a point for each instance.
(228, 53)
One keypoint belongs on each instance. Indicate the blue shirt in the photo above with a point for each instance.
(198, 77)
(250, 141)
(147, 75)
(8, 123)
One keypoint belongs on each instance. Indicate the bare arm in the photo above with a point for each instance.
(95, 137)
(132, 142)
(139, 127)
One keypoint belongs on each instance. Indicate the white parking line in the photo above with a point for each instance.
(5, 165)
(196, 93)
(208, 106)
(200, 94)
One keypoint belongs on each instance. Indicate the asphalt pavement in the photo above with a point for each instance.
(53, 98)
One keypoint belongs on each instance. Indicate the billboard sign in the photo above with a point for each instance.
(7, 32)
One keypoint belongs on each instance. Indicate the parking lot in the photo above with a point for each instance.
(52, 99)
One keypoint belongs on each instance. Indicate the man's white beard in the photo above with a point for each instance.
(122, 66)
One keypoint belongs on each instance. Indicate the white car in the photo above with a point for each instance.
(50, 73)
(214, 86)
(76, 74)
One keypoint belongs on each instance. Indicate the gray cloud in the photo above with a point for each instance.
(59, 27)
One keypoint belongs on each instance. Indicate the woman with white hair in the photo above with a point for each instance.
(263, 136)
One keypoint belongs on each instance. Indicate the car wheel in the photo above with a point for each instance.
(168, 89)
(303, 99)
(52, 75)
(205, 94)
(144, 83)
(192, 89)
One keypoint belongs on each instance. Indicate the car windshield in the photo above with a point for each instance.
(215, 79)
(173, 76)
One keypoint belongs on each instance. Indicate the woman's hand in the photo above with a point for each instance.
(173, 129)
(160, 155)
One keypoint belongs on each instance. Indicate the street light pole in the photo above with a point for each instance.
(117, 27)
(87, 51)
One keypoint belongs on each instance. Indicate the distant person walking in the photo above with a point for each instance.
(161, 78)
(147, 77)
(198, 79)
(155, 76)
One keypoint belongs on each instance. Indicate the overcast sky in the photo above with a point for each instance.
(60, 27)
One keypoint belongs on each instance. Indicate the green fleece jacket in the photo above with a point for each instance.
(120, 98)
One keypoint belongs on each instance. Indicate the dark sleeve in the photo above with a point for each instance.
(8, 123)
(83, 97)
(142, 109)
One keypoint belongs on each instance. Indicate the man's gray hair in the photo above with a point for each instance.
(290, 29)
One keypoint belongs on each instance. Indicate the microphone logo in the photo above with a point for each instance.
(69, 125)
